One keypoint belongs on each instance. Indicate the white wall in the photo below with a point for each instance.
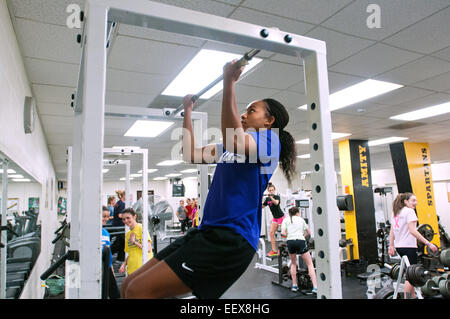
(29, 151)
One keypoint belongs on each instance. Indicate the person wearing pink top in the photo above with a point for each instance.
(404, 235)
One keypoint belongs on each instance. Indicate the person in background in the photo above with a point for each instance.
(188, 212)
(404, 235)
(194, 213)
(119, 244)
(273, 201)
(111, 203)
(294, 229)
(181, 215)
(133, 243)
(106, 241)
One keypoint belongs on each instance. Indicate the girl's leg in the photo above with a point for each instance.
(158, 281)
(293, 268)
(311, 271)
(408, 288)
(273, 229)
(149, 264)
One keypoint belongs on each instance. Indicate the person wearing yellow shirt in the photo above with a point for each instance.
(133, 243)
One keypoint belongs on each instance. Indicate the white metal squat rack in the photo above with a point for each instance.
(90, 111)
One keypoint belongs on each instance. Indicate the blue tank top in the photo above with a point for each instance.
(235, 196)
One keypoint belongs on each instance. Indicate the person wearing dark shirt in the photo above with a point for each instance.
(273, 201)
(119, 245)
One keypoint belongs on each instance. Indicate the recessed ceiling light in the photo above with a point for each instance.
(204, 68)
(423, 113)
(304, 156)
(387, 140)
(334, 136)
(10, 171)
(15, 176)
(143, 128)
(21, 180)
(169, 163)
(173, 175)
(190, 170)
(160, 178)
(124, 178)
(150, 170)
(359, 92)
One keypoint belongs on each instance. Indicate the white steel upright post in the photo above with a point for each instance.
(127, 184)
(92, 150)
(202, 169)
(144, 206)
(4, 234)
(325, 213)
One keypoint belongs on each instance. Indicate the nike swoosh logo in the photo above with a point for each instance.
(186, 267)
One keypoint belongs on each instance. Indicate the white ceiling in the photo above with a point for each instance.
(412, 48)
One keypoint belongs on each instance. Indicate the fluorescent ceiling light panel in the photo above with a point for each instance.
(204, 68)
(105, 170)
(150, 170)
(303, 107)
(10, 171)
(169, 163)
(142, 128)
(21, 180)
(334, 136)
(387, 140)
(136, 175)
(124, 179)
(304, 156)
(190, 170)
(15, 176)
(160, 178)
(359, 92)
(127, 147)
(423, 113)
(173, 175)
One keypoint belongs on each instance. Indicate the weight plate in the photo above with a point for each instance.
(428, 290)
(444, 288)
(426, 231)
(445, 257)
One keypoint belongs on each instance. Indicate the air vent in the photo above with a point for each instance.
(406, 125)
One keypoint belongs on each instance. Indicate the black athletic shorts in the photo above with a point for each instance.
(208, 261)
(410, 252)
(297, 246)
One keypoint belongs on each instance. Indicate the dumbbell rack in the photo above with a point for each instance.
(404, 264)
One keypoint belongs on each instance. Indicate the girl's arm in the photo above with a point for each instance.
(239, 142)
(204, 155)
(413, 230)
(391, 241)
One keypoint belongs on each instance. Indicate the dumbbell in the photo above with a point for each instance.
(444, 257)
(431, 289)
(417, 275)
(394, 270)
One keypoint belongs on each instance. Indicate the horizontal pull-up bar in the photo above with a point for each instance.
(241, 62)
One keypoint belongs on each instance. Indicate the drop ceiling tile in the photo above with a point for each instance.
(146, 56)
(401, 95)
(60, 109)
(290, 100)
(374, 60)
(133, 82)
(418, 70)
(271, 21)
(339, 46)
(53, 94)
(443, 54)
(337, 81)
(438, 83)
(274, 75)
(47, 11)
(131, 99)
(59, 139)
(303, 10)
(211, 7)
(395, 15)
(426, 36)
(49, 42)
(51, 73)
(157, 35)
